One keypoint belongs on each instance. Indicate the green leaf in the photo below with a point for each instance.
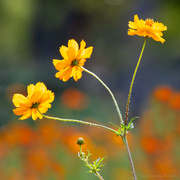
(101, 159)
(131, 125)
(114, 125)
(88, 165)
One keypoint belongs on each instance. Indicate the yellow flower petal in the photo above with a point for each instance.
(40, 87)
(59, 65)
(81, 62)
(132, 25)
(20, 111)
(71, 53)
(35, 98)
(82, 44)
(19, 98)
(44, 109)
(136, 18)
(67, 75)
(30, 90)
(26, 114)
(63, 53)
(73, 44)
(56, 61)
(76, 73)
(86, 53)
(147, 28)
(36, 114)
(44, 105)
(64, 73)
(48, 96)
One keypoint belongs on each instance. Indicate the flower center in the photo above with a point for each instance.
(74, 63)
(149, 22)
(35, 105)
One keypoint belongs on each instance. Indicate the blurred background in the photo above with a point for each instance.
(31, 32)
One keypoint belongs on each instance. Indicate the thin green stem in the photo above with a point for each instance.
(99, 176)
(132, 82)
(80, 149)
(130, 157)
(78, 121)
(110, 92)
(85, 160)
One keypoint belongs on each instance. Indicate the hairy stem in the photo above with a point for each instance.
(78, 121)
(110, 92)
(99, 176)
(130, 157)
(132, 82)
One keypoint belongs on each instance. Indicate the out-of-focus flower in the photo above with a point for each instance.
(59, 169)
(38, 98)
(37, 161)
(166, 165)
(15, 88)
(147, 28)
(162, 93)
(74, 57)
(51, 132)
(146, 124)
(175, 101)
(151, 145)
(74, 99)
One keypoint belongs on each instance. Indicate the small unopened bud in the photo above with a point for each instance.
(80, 141)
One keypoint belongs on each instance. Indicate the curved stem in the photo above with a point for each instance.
(132, 82)
(78, 121)
(130, 157)
(110, 92)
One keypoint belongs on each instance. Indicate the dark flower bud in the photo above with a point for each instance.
(80, 141)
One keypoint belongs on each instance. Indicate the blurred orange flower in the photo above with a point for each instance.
(163, 93)
(24, 134)
(15, 88)
(25, 145)
(73, 59)
(165, 165)
(36, 158)
(74, 99)
(38, 98)
(51, 132)
(146, 124)
(147, 28)
(175, 101)
(151, 144)
(20, 135)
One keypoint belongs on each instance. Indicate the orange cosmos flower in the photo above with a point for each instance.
(74, 99)
(163, 93)
(73, 59)
(147, 28)
(175, 101)
(38, 98)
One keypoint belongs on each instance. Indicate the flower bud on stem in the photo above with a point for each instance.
(94, 168)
